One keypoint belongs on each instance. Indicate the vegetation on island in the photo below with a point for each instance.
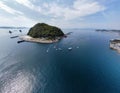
(42, 30)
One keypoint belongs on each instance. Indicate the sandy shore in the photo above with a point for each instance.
(37, 40)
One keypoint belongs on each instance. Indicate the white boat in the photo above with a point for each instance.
(47, 50)
(54, 47)
(70, 48)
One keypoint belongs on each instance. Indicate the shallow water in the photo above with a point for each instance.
(90, 67)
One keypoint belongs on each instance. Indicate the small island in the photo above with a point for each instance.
(115, 44)
(43, 33)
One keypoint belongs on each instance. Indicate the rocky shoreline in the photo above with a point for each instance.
(28, 38)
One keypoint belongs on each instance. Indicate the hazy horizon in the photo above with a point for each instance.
(22, 27)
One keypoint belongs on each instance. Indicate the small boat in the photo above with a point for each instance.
(54, 47)
(21, 41)
(70, 48)
(77, 47)
(10, 31)
(20, 30)
(47, 50)
(60, 49)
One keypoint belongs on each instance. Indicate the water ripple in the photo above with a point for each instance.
(22, 82)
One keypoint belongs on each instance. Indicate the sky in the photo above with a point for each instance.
(62, 13)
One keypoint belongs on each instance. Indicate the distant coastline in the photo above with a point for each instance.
(10, 27)
(107, 30)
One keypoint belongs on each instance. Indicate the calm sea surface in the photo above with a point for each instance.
(90, 67)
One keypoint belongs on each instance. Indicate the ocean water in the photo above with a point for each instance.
(90, 67)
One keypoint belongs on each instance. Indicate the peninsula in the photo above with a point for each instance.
(43, 33)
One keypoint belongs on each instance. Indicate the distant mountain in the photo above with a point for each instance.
(11, 27)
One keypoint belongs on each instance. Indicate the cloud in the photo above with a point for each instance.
(16, 21)
(85, 8)
(54, 12)
(26, 3)
(29, 4)
(18, 18)
(9, 9)
(80, 8)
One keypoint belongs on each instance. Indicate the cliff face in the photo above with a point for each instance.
(46, 31)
